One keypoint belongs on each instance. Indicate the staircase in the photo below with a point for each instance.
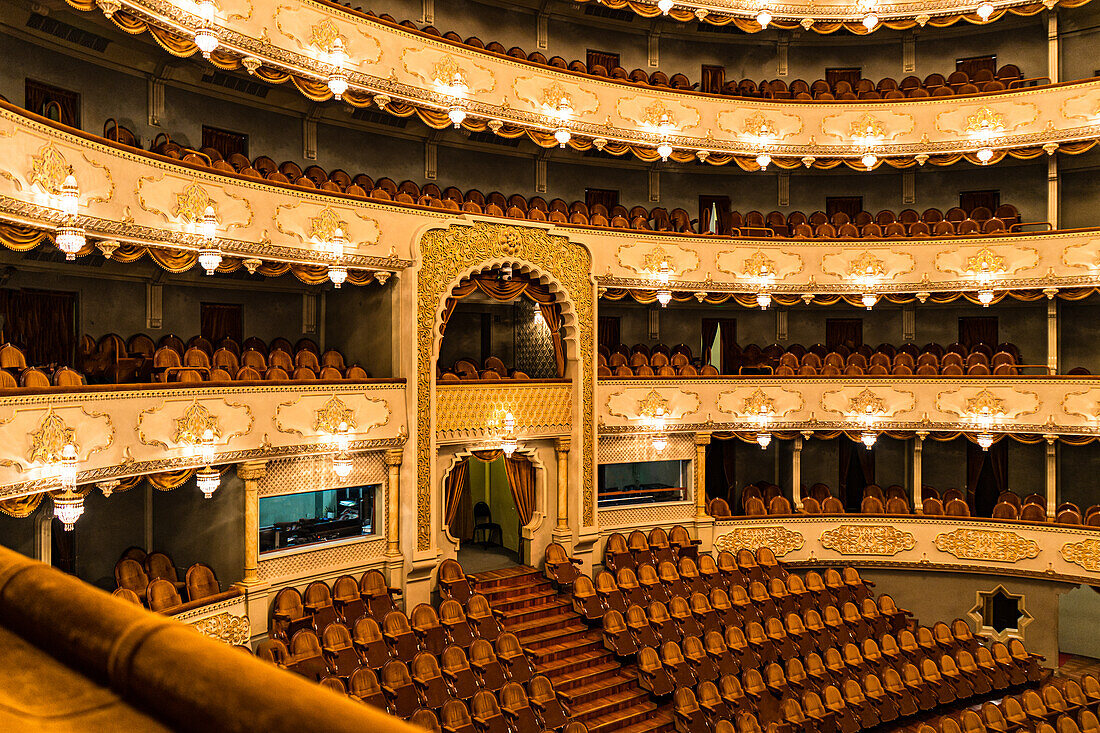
(598, 690)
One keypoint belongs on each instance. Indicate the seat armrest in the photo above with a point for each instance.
(575, 561)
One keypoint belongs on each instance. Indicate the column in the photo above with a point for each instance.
(1052, 335)
(393, 499)
(918, 450)
(561, 448)
(796, 473)
(251, 473)
(1052, 46)
(1053, 194)
(1052, 476)
(702, 440)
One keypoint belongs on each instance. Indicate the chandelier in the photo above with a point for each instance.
(868, 438)
(563, 136)
(985, 440)
(208, 480)
(210, 256)
(337, 77)
(205, 36)
(341, 459)
(763, 439)
(70, 236)
(508, 442)
(337, 271)
(664, 150)
(68, 504)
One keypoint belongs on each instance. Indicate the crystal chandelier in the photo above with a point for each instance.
(868, 438)
(763, 299)
(337, 77)
(762, 160)
(658, 442)
(337, 271)
(664, 6)
(341, 459)
(664, 150)
(70, 237)
(208, 480)
(985, 155)
(985, 10)
(68, 505)
(763, 439)
(764, 18)
(869, 160)
(210, 256)
(456, 114)
(508, 442)
(985, 440)
(563, 136)
(985, 297)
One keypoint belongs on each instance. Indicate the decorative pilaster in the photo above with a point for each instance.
(1052, 334)
(796, 473)
(702, 440)
(1052, 475)
(393, 497)
(561, 448)
(918, 451)
(251, 473)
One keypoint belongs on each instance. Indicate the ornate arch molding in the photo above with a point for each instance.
(446, 256)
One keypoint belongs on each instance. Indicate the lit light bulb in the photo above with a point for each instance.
(562, 136)
(67, 469)
(762, 160)
(985, 155)
(206, 40)
(70, 195)
(664, 297)
(764, 18)
(869, 300)
(664, 150)
(664, 273)
(763, 439)
(67, 507)
(868, 439)
(509, 445)
(70, 239)
(658, 443)
(985, 10)
(456, 115)
(337, 84)
(341, 465)
(205, 10)
(870, 22)
(208, 480)
(337, 272)
(664, 6)
(207, 447)
(338, 275)
(763, 300)
(985, 441)
(869, 160)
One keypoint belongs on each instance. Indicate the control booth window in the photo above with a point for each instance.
(309, 518)
(648, 482)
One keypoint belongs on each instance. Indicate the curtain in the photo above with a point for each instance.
(21, 506)
(521, 477)
(454, 488)
(607, 331)
(220, 320)
(552, 315)
(975, 330)
(731, 352)
(843, 332)
(608, 198)
(710, 330)
(42, 322)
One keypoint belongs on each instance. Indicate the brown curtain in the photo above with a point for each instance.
(42, 322)
(552, 315)
(710, 330)
(454, 489)
(843, 332)
(731, 352)
(220, 320)
(607, 331)
(975, 330)
(21, 506)
(521, 477)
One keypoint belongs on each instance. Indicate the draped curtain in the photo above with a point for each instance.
(607, 331)
(731, 352)
(506, 290)
(454, 487)
(220, 320)
(521, 480)
(521, 477)
(43, 322)
(710, 330)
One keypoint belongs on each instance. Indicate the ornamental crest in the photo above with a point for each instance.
(867, 403)
(867, 265)
(658, 115)
(779, 540)
(50, 439)
(985, 261)
(448, 73)
(49, 169)
(324, 34)
(653, 405)
(322, 228)
(656, 260)
(331, 415)
(874, 539)
(985, 120)
(194, 423)
(985, 544)
(1085, 553)
(867, 129)
(192, 203)
(758, 264)
(985, 403)
(556, 99)
(760, 127)
(758, 403)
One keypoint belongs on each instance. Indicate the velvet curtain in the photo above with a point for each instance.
(454, 487)
(608, 332)
(731, 352)
(521, 478)
(710, 330)
(41, 321)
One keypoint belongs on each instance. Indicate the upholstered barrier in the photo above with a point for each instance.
(167, 670)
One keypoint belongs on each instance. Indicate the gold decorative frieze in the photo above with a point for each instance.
(647, 259)
(985, 403)
(466, 410)
(779, 540)
(985, 261)
(636, 404)
(319, 414)
(322, 228)
(193, 424)
(192, 202)
(324, 34)
(227, 627)
(48, 169)
(1085, 553)
(867, 539)
(987, 544)
(331, 415)
(758, 264)
(984, 121)
(653, 405)
(867, 265)
(758, 403)
(867, 403)
(50, 438)
(867, 128)
(746, 402)
(759, 128)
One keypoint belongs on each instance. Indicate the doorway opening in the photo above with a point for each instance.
(857, 471)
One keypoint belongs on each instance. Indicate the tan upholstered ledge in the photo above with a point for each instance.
(1017, 405)
(121, 431)
(74, 658)
(391, 65)
(1054, 552)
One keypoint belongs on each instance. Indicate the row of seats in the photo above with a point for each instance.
(1034, 711)
(492, 369)
(139, 359)
(536, 208)
(933, 359)
(775, 223)
(152, 580)
(321, 605)
(957, 83)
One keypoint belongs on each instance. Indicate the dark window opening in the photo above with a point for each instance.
(644, 482)
(55, 103)
(712, 79)
(974, 330)
(605, 59)
(973, 64)
(716, 208)
(316, 516)
(850, 205)
(607, 197)
(1001, 612)
(225, 142)
(970, 200)
(846, 332)
(852, 75)
(857, 470)
(42, 323)
(608, 331)
(220, 320)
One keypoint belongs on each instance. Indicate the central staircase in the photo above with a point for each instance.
(598, 690)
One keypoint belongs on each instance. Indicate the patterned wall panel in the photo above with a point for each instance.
(297, 475)
(345, 557)
(533, 348)
(647, 516)
(632, 448)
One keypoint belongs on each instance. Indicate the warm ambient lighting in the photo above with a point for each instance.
(456, 115)
(658, 443)
(664, 150)
(985, 441)
(763, 18)
(762, 160)
(868, 439)
(870, 22)
(205, 38)
(869, 160)
(70, 195)
(763, 300)
(208, 480)
(508, 442)
(664, 6)
(337, 272)
(763, 439)
(209, 256)
(664, 297)
(985, 10)
(985, 155)
(70, 238)
(341, 461)
(338, 78)
(562, 136)
(985, 297)
(869, 300)
(68, 505)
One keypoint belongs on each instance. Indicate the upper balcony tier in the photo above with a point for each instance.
(408, 72)
(140, 201)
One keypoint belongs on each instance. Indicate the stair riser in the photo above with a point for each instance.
(535, 613)
(568, 669)
(507, 606)
(640, 697)
(630, 719)
(511, 582)
(575, 641)
(597, 694)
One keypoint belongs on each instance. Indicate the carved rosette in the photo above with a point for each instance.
(225, 627)
(1085, 553)
(986, 544)
(779, 540)
(867, 539)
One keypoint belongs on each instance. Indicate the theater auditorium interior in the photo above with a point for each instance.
(524, 366)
